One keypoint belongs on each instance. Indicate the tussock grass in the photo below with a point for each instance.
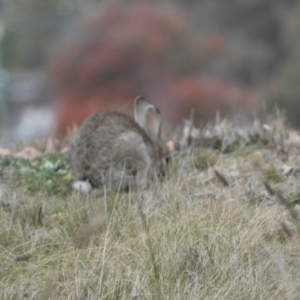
(189, 237)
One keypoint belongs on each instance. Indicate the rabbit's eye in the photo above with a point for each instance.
(164, 166)
(167, 160)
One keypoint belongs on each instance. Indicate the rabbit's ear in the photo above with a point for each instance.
(140, 105)
(153, 121)
(147, 116)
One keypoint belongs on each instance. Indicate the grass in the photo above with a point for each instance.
(189, 237)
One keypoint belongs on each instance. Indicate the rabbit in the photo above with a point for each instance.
(111, 149)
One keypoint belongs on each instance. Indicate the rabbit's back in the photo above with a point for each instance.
(104, 140)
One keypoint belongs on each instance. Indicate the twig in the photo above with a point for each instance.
(150, 247)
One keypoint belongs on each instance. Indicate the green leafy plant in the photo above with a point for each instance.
(49, 173)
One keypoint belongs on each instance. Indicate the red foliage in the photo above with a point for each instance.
(205, 96)
(127, 50)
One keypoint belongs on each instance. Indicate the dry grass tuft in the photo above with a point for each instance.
(87, 230)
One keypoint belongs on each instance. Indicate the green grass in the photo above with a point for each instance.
(190, 237)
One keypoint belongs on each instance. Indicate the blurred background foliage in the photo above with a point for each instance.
(69, 58)
(31, 27)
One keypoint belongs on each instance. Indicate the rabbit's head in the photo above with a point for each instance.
(149, 119)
